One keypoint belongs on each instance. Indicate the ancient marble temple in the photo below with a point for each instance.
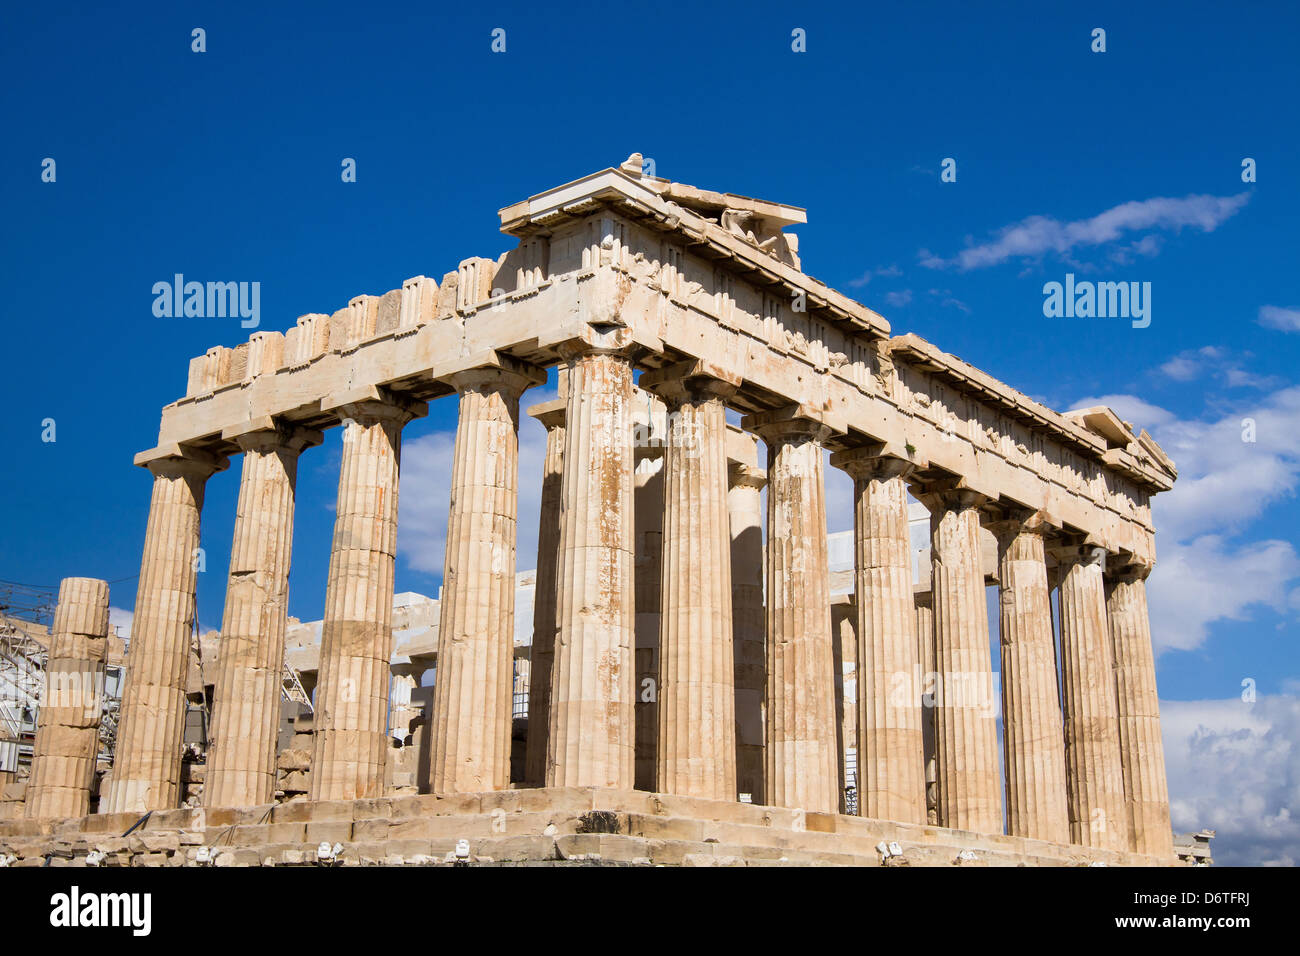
(639, 289)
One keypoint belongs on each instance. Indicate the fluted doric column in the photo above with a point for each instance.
(67, 737)
(351, 745)
(891, 751)
(542, 653)
(647, 579)
(928, 692)
(802, 768)
(1033, 745)
(745, 504)
(966, 744)
(151, 723)
(1094, 772)
(1142, 754)
(696, 754)
(592, 736)
(473, 693)
(246, 701)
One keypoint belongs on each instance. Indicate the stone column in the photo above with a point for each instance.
(1142, 753)
(592, 736)
(1094, 773)
(928, 691)
(966, 744)
(696, 753)
(745, 504)
(891, 751)
(647, 575)
(246, 702)
(473, 692)
(551, 415)
(67, 738)
(402, 707)
(151, 723)
(802, 768)
(350, 751)
(1033, 745)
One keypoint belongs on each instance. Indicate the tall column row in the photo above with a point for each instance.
(745, 690)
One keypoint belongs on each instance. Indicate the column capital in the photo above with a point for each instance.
(692, 380)
(371, 404)
(877, 460)
(788, 424)
(1013, 520)
(497, 371)
(1128, 568)
(181, 461)
(746, 476)
(611, 341)
(1074, 551)
(551, 414)
(269, 434)
(950, 494)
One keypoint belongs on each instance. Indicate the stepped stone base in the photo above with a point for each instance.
(550, 826)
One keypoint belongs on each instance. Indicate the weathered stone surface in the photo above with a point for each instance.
(966, 748)
(890, 746)
(357, 642)
(1033, 741)
(473, 694)
(1094, 770)
(592, 720)
(745, 507)
(696, 753)
(1142, 754)
(67, 739)
(246, 700)
(147, 765)
(802, 768)
(542, 654)
(616, 272)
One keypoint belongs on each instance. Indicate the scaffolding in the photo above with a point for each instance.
(291, 688)
(25, 613)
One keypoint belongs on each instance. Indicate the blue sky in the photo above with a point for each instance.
(1123, 165)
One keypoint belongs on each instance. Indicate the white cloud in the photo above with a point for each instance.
(1036, 236)
(1223, 481)
(1235, 767)
(1275, 317)
(1205, 580)
(1210, 362)
(423, 500)
(1190, 364)
(899, 299)
(866, 277)
(121, 621)
(1201, 575)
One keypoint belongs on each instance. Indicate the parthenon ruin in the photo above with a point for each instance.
(656, 309)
